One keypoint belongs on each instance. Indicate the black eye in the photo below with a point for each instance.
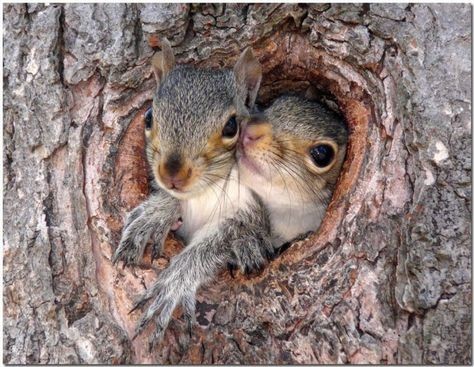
(149, 118)
(322, 155)
(231, 127)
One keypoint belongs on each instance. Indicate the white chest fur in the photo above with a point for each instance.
(203, 214)
(288, 222)
(290, 215)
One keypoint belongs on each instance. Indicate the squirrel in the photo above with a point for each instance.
(191, 136)
(290, 156)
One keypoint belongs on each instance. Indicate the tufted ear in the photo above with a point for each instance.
(248, 75)
(163, 62)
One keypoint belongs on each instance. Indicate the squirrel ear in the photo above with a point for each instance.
(248, 75)
(163, 61)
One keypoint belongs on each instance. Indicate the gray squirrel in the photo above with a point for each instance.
(291, 156)
(191, 136)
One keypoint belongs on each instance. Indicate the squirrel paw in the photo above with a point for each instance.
(250, 255)
(166, 293)
(136, 233)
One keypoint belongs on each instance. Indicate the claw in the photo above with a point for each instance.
(161, 322)
(137, 305)
(231, 268)
(134, 336)
(189, 306)
(190, 330)
(157, 248)
(114, 259)
(270, 254)
(144, 298)
(155, 253)
(141, 325)
(158, 242)
(283, 248)
(246, 270)
(143, 322)
(189, 325)
(155, 337)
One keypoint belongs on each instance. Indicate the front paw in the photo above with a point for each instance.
(250, 255)
(167, 293)
(138, 229)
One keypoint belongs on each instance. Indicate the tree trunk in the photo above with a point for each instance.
(387, 277)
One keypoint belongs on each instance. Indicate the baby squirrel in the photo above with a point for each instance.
(291, 156)
(191, 137)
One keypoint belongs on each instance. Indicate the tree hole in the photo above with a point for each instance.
(290, 65)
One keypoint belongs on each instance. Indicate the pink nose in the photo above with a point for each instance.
(250, 137)
(176, 183)
(173, 182)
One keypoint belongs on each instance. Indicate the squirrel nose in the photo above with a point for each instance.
(251, 136)
(176, 182)
(174, 172)
(254, 132)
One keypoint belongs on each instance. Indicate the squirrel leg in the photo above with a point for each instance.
(199, 263)
(178, 284)
(253, 249)
(153, 218)
(251, 254)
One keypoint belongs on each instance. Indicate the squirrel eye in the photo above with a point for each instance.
(149, 118)
(322, 155)
(231, 127)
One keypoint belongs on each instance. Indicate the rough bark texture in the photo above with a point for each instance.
(387, 277)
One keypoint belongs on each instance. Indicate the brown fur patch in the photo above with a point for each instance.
(216, 145)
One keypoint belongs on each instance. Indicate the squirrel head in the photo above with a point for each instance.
(295, 148)
(193, 127)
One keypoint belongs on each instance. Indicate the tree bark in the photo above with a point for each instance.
(387, 277)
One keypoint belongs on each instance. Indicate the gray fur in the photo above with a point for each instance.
(253, 249)
(188, 119)
(296, 197)
(306, 119)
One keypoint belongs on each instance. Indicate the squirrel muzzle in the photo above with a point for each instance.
(174, 172)
(255, 136)
(256, 131)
